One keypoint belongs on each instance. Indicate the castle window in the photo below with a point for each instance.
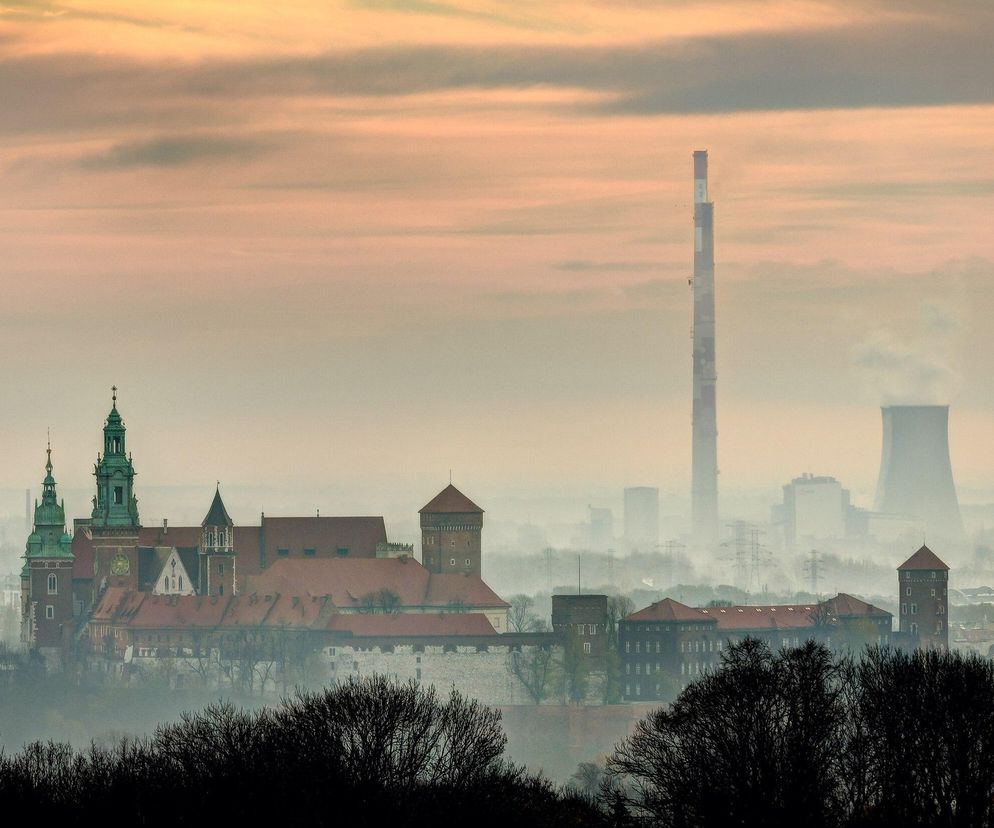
(586, 647)
(282, 552)
(165, 582)
(933, 593)
(181, 582)
(904, 609)
(914, 629)
(118, 495)
(907, 591)
(309, 553)
(220, 569)
(342, 551)
(452, 561)
(467, 561)
(914, 609)
(53, 584)
(49, 612)
(220, 590)
(117, 444)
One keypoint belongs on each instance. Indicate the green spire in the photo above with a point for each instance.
(115, 503)
(49, 538)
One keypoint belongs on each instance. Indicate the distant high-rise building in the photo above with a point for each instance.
(642, 517)
(814, 508)
(601, 528)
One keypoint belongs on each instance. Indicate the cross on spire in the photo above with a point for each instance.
(113, 389)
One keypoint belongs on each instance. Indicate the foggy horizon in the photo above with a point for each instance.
(447, 236)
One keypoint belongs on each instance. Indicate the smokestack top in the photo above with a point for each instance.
(700, 164)
(700, 177)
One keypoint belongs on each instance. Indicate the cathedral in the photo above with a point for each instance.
(111, 561)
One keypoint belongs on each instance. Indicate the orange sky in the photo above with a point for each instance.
(369, 241)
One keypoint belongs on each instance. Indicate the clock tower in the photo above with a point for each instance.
(114, 521)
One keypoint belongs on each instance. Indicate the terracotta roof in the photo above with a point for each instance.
(347, 582)
(298, 612)
(413, 624)
(217, 515)
(844, 605)
(781, 617)
(325, 535)
(452, 587)
(450, 501)
(247, 610)
(179, 611)
(117, 603)
(924, 558)
(666, 610)
(786, 616)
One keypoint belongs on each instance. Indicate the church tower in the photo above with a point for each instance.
(46, 580)
(451, 528)
(115, 506)
(217, 550)
(114, 520)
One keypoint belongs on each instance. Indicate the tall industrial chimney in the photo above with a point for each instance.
(704, 477)
(916, 477)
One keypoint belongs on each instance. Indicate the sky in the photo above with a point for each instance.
(354, 245)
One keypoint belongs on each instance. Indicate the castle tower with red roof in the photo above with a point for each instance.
(451, 529)
(923, 582)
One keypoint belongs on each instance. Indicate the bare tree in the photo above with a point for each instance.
(535, 668)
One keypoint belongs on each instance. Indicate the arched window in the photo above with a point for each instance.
(165, 583)
(181, 582)
(53, 584)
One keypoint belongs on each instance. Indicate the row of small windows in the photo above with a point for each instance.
(310, 552)
(581, 629)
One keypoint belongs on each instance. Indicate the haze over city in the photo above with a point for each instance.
(337, 250)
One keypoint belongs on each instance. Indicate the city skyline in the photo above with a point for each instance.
(368, 240)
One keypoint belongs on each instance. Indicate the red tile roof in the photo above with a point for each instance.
(348, 582)
(325, 535)
(782, 617)
(179, 612)
(924, 558)
(117, 603)
(412, 625)
(844, 605)
(450, 501)
(452, 587)
(666, 610)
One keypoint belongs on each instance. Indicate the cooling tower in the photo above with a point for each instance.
(916, 477)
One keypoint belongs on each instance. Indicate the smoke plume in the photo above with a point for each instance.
(918, 369)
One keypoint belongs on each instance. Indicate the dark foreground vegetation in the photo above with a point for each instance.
(800, 738)
(369, 752)
(796, 737)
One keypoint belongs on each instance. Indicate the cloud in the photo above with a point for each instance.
(172, 151)
(908, 61)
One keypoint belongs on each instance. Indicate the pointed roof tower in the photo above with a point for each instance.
(115, 508)
(450, 501)
(217, 515)
(49, 538)
(924, 558)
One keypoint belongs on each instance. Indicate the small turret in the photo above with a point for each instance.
(217, 550)
(115, 504)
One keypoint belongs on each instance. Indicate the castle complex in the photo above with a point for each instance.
(114, 586)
